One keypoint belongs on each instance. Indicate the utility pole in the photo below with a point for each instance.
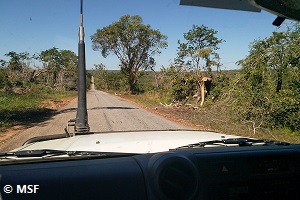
(81, 121)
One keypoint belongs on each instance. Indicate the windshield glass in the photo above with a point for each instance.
(153, 66)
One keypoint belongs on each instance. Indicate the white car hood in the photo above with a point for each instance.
(128, 142)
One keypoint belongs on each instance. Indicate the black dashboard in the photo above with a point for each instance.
(255, 172)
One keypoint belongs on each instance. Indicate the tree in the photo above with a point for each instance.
(18, 66)
(283, 52)
(201, 44)
(4, 81)
(60, 66)
(267, 92)
(68, 75)
(133, 43)
(100, 75)
(273, 58)
(51, 62)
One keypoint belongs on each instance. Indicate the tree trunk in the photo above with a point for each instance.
(132, 84)
(279, 79)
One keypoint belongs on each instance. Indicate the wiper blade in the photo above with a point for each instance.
(47, 152)
(233, 142)
(51, 153)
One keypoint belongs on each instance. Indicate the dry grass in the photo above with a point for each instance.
(215, 117)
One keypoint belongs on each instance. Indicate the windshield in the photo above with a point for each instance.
(148, 66)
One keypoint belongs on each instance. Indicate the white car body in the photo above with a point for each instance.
(128, 142)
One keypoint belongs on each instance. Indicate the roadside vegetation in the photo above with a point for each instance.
(260, 100)
(27, 89)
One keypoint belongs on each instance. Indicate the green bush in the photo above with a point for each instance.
(183, 86)
(285, 110)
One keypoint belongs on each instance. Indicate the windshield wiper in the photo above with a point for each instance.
(233, 142)
(45, 153)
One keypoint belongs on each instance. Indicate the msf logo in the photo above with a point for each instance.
(27, 189)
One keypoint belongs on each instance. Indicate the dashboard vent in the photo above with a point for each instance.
(175, 178)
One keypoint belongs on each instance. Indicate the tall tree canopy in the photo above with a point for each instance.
(201, 44)
(132, 42)
(18, 61)
(267, 92)
(60, 66)
(18, 67)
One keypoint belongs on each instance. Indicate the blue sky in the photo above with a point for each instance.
(36, 25)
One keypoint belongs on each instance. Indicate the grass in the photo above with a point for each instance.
(148, 99)
(213, 116)
(23, 109)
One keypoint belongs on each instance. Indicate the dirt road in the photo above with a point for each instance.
(106, 113)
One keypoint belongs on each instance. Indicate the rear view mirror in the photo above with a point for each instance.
(283, 8)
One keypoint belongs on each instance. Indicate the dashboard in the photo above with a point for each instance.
(254, 172)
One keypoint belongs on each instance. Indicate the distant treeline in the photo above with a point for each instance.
(56, 69)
